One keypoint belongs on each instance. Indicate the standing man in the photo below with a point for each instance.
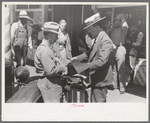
(47, 63)
(118, 36)
(21, 38)
(98, 58)
(133, 42)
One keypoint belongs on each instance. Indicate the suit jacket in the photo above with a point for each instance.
(98, 57)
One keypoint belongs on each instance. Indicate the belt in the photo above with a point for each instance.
(119, 45)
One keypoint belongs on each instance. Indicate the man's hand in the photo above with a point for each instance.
(31, 49)
(67, 61)
(73, 58)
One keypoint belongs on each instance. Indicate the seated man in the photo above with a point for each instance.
(47, 63)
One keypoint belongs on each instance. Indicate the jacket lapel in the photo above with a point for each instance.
(95, 47)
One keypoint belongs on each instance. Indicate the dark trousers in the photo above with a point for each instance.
(20, 54)
(98, 94)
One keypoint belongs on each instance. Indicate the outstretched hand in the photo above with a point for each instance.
(73, 58)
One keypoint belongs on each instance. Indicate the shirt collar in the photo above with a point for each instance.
(20, 24)
(101, 33)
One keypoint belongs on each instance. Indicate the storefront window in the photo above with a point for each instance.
(49, 15)
(22, 6)
(35, 6)
(50, 6)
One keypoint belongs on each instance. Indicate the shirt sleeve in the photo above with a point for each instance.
(29, 36)
(125, 25)
(68, 43)
(61, 39)
(30, 42)
(69, 46)
(124, 28)
(13, 30)
(51, 68)
(139, 40)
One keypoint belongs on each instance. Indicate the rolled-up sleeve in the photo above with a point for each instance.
(139, 40)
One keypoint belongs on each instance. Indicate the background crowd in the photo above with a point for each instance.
(110, 51)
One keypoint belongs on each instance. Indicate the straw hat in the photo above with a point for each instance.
(92, 20)
(23, 14)
(51, 27)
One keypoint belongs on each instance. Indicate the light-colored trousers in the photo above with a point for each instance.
(132, 60)
(118, 66)
(51, 89)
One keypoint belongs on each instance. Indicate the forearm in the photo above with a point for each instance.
(138, 41)
(51, 67)
(30, 42)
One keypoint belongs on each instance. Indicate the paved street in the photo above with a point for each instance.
(134, 93)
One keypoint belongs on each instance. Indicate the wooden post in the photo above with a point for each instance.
(7, 32)
(43, 14)
(112, 16)
(82, 14)
(52, 13)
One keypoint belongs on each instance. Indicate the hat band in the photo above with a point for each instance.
(23, 15)
(50, 29)
(93, 21)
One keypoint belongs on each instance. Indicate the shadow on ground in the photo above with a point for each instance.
(30, 62)
(136, 90)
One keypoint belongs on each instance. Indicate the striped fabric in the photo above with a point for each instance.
(7, 34)
(140, 73)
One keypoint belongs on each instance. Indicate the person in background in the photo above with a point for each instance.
(49, 65)
(98, 58)
(85, 42)
(63, 43)
(133, 41)
(118, 36)
(21, 38)
(83, 47)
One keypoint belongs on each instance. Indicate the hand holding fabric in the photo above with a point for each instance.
(73, 58)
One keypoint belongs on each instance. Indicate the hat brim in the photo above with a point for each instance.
(51, 31)
(24, 17)
(94, 22)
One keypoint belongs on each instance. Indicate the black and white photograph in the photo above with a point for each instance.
(84, 61)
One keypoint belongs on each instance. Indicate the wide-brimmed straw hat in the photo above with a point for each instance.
(51, 27)
(23, 14)
(92, 20)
